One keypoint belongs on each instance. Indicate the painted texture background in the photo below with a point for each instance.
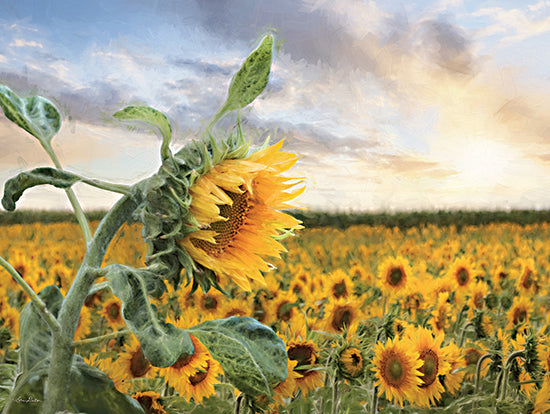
(391, 105)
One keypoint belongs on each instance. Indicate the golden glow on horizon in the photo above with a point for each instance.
(482, 162)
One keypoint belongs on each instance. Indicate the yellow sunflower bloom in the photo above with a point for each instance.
(394, 274)
(306, 353)
(396, 368)
(200, 384)
(112, 312)
(236, 204)
(455, 376)
(150, 401)
(351, 362)
(434, 364)
(178, 374)
(130, 365)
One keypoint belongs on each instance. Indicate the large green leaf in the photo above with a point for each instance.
(253, 357)
(14, 187)
(90, 390)
(151, 117)
(252, 77)
(162, 343)
(34, 334)
(35, 114)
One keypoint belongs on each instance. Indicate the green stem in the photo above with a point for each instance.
(63, 348)
(506, 371)
(115, 188)
(478, 370)
(335, 400)
(463, 333)
(78, 211)
(97, 287)
(374, 406)
(101, 338)
(35, 299)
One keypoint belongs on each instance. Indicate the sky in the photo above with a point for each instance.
(390, 105)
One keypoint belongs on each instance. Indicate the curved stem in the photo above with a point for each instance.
(101, 338)
(78, 211)
(35, 299)
(63, 348)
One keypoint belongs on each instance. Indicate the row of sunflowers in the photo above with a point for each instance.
(374, 319)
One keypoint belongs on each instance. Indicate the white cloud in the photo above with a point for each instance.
(25, 43)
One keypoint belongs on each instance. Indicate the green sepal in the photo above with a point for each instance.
(35, 114)
(252, 77)
(162, 343)
(14, 187)
(151, 117)
(251, 354)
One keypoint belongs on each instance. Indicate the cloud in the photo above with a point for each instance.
(25, 43)
(520, 23)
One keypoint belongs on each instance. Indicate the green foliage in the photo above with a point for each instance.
(162, 343)
(151, 117)
(90, 390)
(35, 114)
(14, 187)
(252, 356)
(252, 77)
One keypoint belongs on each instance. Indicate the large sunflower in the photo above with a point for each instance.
(434, 364)
(200, 384)
(396, 368)
(236, 205)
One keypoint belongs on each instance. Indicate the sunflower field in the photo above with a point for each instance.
(374, 319)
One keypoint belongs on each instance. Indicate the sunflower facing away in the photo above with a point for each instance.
(396, 368)
(235, 204)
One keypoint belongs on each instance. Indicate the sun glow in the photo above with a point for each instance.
(482, 162)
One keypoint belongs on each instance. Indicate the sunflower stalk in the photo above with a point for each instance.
(505, 372)
(63, 348)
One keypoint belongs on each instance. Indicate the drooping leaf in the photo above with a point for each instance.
(252, 356)
(162, 343)
(151, 117)
(35, 114)
(14, 187)
(252, 77)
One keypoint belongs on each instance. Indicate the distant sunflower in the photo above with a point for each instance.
(434, 364)
(340, 313)
(393, 274)
(83, 328)
(281, 308)
(351, 362)
(441, 315)
(177, 375)
(236, 205)
(200, 384)
(150, 401)
(287, 388)
(112, 312)
(306, 353)
(130, 365)
(338, 285)
(519, 313)
(528, 279)
(396, 368)
(453, 379)
(461, 273)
